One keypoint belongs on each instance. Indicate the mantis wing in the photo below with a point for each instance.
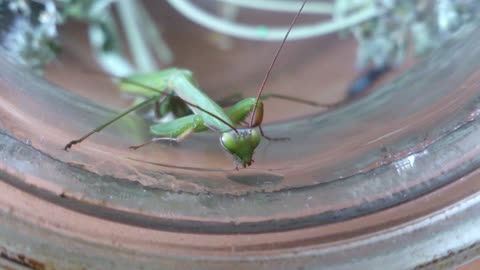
(186, 89)
(145, 82)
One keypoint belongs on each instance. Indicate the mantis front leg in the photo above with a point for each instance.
(242, 109)
(187, 133)
(175, 131)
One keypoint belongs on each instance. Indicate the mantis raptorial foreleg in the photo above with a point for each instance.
(176, 130)
(187, 133)
(195, 123)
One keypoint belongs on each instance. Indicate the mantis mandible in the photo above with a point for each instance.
(239, 142)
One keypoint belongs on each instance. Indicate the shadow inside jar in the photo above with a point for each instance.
(257, 180)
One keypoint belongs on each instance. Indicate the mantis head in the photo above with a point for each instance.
(241, 145)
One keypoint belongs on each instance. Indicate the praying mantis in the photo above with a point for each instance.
(207, 114)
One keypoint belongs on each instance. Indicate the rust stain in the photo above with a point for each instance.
(23, 260)
(35, 264)
(388, 157)
(446, 262)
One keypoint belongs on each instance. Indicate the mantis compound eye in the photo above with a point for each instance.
(254, 138)
(228, 141)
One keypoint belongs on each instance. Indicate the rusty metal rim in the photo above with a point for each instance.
(457, 221)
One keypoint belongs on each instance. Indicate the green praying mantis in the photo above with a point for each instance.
(207, 114)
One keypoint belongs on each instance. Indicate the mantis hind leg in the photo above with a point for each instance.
(270, 138)
(111, 121)
(177, 139)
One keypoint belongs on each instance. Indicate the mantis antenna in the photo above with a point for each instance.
(262, 86)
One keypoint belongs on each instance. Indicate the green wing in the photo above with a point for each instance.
(135, 84)
(186, 89)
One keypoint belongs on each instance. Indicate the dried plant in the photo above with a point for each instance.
(384, 29)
